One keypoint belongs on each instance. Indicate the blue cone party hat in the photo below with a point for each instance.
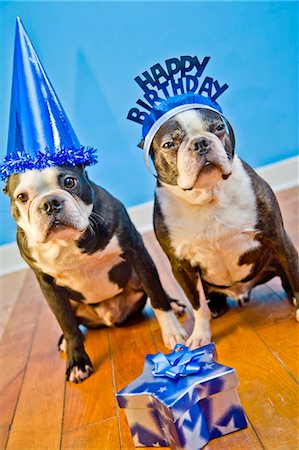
(40, 134)
(177, 86)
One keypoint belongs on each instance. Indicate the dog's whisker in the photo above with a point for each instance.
(93, 221)
(94, 215)
(91, 227)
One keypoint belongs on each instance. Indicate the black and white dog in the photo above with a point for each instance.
(218, 222)
(90, 261)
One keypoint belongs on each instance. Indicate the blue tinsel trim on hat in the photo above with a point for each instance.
(18, 162)
(171, 103)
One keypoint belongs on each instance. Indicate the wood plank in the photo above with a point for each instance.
(268, 394)
(102, 436)
(25, 312)
(93, 400)
(10, 288)
(129, 344)
(15, 348)
(288, 196)
(38, 417)
(289, 205)
(273, 319)
(243, 439)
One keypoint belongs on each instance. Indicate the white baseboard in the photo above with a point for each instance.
(10, 259)
(281, 175)
(142, 216)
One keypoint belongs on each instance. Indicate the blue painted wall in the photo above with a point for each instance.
(92, 51)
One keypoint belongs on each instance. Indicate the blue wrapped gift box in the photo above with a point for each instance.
(182, 400)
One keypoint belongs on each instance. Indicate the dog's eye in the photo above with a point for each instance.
(220, 127)
(168, 144)
(23, 197)
(70, 182)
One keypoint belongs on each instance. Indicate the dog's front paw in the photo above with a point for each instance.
(198, 339)
(172, 331)
(179, 308)
(201, 334)
(78, 374)
(78, 368)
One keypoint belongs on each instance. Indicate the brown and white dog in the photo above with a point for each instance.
(90, 261)
(218, 222)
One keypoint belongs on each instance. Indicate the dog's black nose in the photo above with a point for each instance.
(51, 204)
(202, 145)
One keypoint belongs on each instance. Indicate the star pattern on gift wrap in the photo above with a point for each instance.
(232, 420)
(162, 389)
(222, 429)
(208, 366)
(143, 436)
(192, 426)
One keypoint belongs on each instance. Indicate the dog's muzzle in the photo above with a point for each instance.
(51, 205)
(201, 145)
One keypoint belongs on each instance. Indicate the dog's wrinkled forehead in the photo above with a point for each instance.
(40, 182)
(37, 182)
(189, 123)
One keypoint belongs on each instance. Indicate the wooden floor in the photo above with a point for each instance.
(38, 410)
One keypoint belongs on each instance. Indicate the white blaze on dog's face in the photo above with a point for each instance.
(193, 150)
(54, 203)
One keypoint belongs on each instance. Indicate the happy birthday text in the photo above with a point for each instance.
(180, 75)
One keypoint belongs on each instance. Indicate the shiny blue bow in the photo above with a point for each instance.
(181, 362)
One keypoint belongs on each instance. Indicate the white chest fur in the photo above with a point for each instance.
(87, 274)
(216, 228)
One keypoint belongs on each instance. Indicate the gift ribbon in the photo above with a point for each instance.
(181, 362)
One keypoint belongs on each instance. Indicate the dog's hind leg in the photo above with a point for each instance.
(287, 257)
(116, 310)
(287, 286)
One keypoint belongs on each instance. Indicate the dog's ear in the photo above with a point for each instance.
(5, 189)
(141, 144)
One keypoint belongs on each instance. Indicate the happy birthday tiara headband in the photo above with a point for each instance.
(177, 87)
